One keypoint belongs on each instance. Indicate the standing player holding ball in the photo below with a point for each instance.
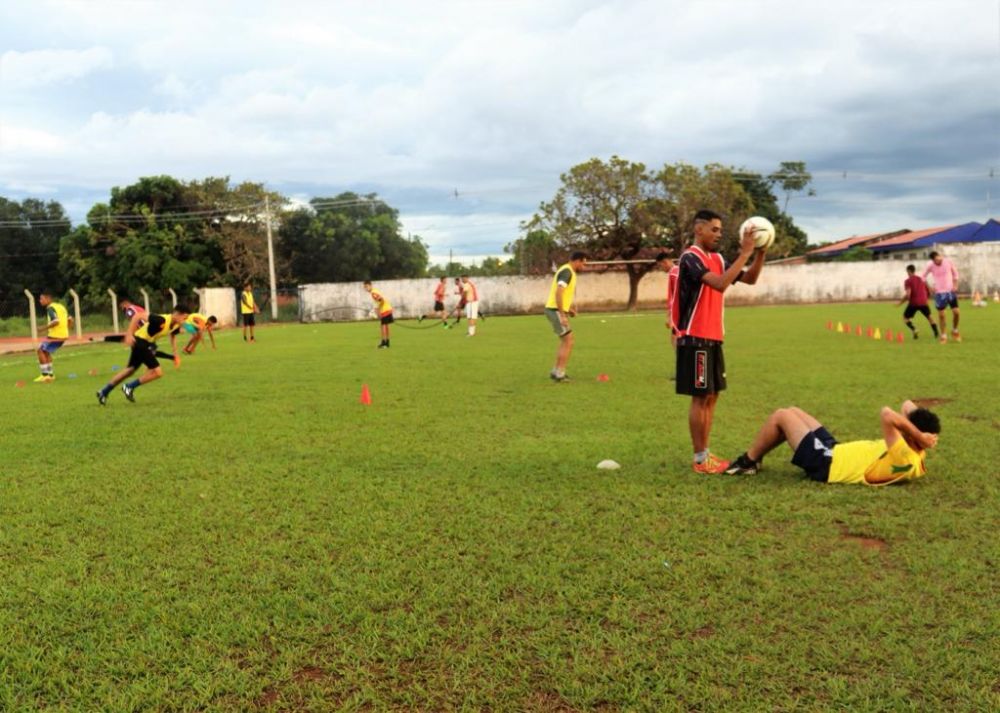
(702, 280)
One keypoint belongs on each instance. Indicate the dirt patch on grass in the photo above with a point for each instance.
(867, 542)
(704, 632)
(929, 401)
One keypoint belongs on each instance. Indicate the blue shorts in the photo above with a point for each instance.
(190, 328)
(50, 347)
(945, 299)
(815, 453)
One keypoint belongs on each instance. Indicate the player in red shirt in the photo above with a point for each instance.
(702, 280)
(670, 267)
(439, 310)
(916, 297)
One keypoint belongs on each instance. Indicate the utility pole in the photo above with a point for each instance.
(270, 259)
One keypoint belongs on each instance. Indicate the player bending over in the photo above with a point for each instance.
(916, 299)
(197, 325)
(897, 456)
(142, 340)
(384, 313)
(57, 329)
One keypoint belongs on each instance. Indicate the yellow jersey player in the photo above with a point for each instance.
(559, 308)
(248, 310)
(896, 457)
(384, 310)
(57, 328)
(197, 325)
(142, 340)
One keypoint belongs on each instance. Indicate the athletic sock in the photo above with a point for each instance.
(909, 324)
(106, 389)
(701, 456)
(134, 384)
(934, 329)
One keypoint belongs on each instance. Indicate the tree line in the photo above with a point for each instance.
(162, 232)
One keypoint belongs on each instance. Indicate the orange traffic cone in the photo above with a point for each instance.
(888, 335)
(366, 395)
(847, 328)
(603, 377)
(899, 338)
(857, 330)
(829, 325)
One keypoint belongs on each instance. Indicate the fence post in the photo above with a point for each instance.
(201, 300)
(32, 315)
(173, 296)
(76, 314)
(114, 309)
(145, 299)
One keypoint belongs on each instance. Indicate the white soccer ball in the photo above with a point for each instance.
(763, 231)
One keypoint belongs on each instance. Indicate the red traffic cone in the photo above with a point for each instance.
(847, 328)
(888, 335)
(366, 395)
(603, 377)
(19, 384)
(857, 330)
(829, 325)
(869, 332)
(899, 338)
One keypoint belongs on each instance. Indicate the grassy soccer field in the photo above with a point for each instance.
(248, 535)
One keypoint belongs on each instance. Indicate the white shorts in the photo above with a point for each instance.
(472, 310)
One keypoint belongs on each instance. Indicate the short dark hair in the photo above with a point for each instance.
(181, 308)
(661, 256)
(705, 216)
(213, 319)
(247, 284)
(926, 421)
(577, 255)
(911, 268)
(46, 293)
(367, 282)
(934, 254)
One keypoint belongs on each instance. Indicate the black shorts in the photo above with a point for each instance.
(439, 306)
(815, 453)
(249, 320)
(701, 367)
(143, 354)
(387, 318)
(913, 309)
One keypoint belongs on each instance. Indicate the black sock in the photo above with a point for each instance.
(909, 323)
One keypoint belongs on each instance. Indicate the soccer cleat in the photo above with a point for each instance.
(711, 465)
(955, 335)
(129, 393)
(915, 334)
(743, 466)
(177, 362)
(102, 398)
(943, 339)
(420, 319)
(382, 345)
(44, 379)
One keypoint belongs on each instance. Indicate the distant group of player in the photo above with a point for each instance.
(916, 292)
(468, 304)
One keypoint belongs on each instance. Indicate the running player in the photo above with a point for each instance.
(142, 340)
(559, 308)
(439, 311)
(384, 309)
(896, 457)
(916, 299)
(471, 298)
(945, 285)
(248, 310)
(197, 325)
(697, 309)
(57, 332)
(460, 307)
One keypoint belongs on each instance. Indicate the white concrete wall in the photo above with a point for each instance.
(220, 301)
(978, 266)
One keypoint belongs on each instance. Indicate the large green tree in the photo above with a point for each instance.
(349, 237)
(29, 245)
(790, 177)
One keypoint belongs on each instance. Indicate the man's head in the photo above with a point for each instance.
(465, 278)
(443, 279)
(577, 259)
(707, 229)
(180, 313)
(926, 421)
(367, 285)
(663, 260)
(45, 298)
(212, 319)
(911, 270)
(936, 257)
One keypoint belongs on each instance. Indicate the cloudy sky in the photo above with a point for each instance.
(893, 104)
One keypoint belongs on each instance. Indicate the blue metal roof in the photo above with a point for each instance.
(958, 234)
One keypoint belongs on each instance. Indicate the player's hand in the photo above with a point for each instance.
(928, 440)
(562, 319)
(747, 242)
(572, 312)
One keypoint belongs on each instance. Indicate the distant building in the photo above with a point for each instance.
(917, 244)
(828, 252)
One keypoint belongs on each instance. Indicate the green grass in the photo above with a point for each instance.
(247, 535)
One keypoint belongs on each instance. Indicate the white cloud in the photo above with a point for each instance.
(39, 67)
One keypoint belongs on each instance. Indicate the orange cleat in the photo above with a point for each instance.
(711, 466)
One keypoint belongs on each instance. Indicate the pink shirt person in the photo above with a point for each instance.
(945, 275)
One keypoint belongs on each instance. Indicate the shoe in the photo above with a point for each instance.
(742, 466)
(44, 379)
(129, 393)
(382, 345)
(420, 319)
(943, 339)
(712, 465)
(177, 362)
(955, 335)
(101, 398)
(915, 333)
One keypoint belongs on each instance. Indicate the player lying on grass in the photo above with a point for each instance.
(142, 339)
(197, 325)
(896, 457)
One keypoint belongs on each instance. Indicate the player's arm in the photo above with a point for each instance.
(906, 295)
(211, 335)
(723, 281)
(750, 276)
(130, 331)
(895, 425)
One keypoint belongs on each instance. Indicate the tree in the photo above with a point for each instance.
(29, 246)
(793, 177)
(349, 237)
(532, 254)
(790, 239)
(611, 209)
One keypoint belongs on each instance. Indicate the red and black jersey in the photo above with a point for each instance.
(697, 308)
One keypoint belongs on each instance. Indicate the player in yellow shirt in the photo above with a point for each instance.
(142, 336)
(559, 308)
(248, 310)
(384, 309)
(197, 325)
(898, 456)
(57, 328)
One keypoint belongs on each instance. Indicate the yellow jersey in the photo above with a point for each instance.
(565, 276)
(871, 463)
(197, 319)
(247, 305)
(156, 326)
(384, 306)
(56, 311)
